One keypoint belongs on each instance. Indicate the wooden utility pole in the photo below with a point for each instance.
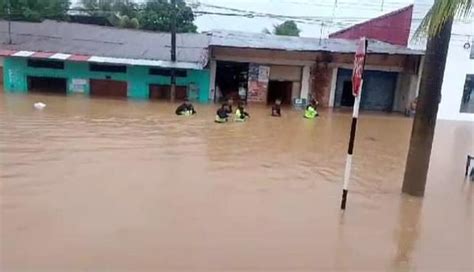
(173, 50)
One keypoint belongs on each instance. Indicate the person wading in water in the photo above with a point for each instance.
(310, 111)
(186, 109)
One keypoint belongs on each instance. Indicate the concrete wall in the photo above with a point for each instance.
(406, 91)
(322, 81)
(1, 71)
(285, 73)
(458, 65)
(16, 72)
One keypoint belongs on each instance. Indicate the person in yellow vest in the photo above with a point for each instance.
(310, 111)
(240, 114)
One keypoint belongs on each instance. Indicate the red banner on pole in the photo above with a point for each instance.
(359, 63)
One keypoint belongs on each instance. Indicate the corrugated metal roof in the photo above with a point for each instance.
(152, 48)
(267, 41)
(72, 38)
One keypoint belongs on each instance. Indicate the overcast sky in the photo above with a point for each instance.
(326, 17)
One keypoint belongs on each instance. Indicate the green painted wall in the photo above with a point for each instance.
(77, 75)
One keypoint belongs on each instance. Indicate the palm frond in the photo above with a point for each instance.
(440, 13)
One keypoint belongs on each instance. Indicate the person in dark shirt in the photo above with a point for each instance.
(276, 108)
(186, 109)
(228, 105)
(222, 114)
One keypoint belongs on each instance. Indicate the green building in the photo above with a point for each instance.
(93, 60)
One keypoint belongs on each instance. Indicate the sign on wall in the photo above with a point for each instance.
(258, 82)
(78, 85)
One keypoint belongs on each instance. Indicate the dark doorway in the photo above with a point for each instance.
(231, 80)
(163, 92)
(347, 99)
(47, 85)
(108, 88)
(279, 90)
(467, 102)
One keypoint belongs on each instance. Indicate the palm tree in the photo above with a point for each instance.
(437, 26)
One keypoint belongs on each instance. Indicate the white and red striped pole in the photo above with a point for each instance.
(350, 149)
(357, 82)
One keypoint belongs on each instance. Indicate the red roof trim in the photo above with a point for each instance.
(6, 53)
(398, 11)
(79, 58)
(42, 55)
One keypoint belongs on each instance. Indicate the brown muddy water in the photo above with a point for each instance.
(111, 185)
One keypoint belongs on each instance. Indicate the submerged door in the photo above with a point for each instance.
(163, 92)
(47, 84)
(377, 94)
(108, 88)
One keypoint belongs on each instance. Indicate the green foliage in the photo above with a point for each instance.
(155, 15)
(109, 7)
(126, 22)
(118, 12)
(441, 12)
(35, 10)
(287, 28)
(152, 15)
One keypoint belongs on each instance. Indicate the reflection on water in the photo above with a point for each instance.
(103, 185)
(408, 230)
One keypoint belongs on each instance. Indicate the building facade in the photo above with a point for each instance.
(67, 58)
(108, 80)
(457, 95)
(262, 68)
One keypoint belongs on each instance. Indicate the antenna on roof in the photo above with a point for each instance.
(321, 32)
(9, 22)
(173, 50)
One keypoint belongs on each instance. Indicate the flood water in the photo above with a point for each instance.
(113, 185)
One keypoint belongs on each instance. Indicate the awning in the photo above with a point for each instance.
(106, 60)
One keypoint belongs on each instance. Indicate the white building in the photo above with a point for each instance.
(459, 65)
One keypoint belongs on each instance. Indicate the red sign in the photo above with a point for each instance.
(359, 62)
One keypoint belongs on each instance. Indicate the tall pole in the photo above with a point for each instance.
(173, 50)
(350, 150)
(357, 82)
(9, 22)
